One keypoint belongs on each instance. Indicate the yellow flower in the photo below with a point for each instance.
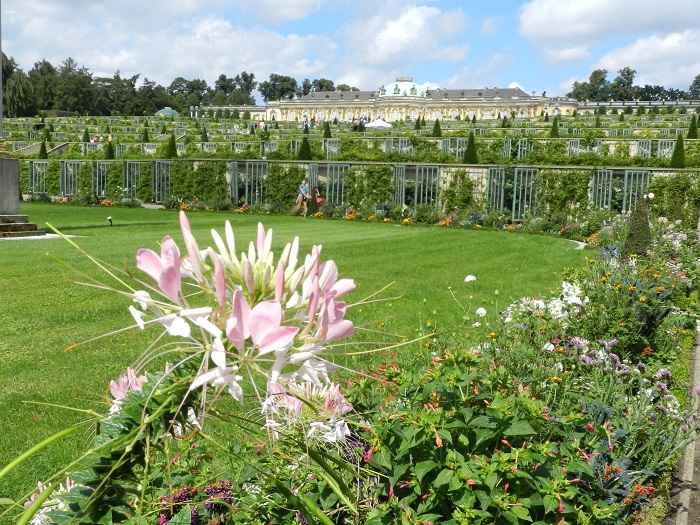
(631, 288)
(386, 219)
(656, 276)
(660, 289)
(603, 279)
(555, 379)
(642, 299)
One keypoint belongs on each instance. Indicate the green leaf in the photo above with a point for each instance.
(381, 458)
(183, 517)
(423, 468)
(483, 422)
(444, 477)
(551, 504)
(445, 435)
(519, 427)
(522, 513)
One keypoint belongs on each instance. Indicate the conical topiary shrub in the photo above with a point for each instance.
(437, 131)
(470, 154)
(638, 239)
(304, 150)
(693, 128)
(678, 155)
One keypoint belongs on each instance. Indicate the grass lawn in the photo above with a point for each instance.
(42, 313)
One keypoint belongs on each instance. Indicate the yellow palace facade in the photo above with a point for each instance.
(404, 100)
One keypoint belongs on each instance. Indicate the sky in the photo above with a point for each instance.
(542, 45)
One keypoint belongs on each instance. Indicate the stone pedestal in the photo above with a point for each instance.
(9, 186)
(12, 224)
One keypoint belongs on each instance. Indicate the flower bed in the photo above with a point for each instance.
(563, 409)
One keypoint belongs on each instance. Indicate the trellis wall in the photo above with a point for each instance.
(513, 190)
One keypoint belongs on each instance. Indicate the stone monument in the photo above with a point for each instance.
(12, 224)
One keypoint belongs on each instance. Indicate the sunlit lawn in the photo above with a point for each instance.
(42, 314)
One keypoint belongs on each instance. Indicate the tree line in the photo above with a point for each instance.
(72, 89)
(599, 89)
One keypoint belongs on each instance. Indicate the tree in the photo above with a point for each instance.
(554, 131)
(693, 128)
(639, 234)
(470, 154)
(678, 155)
(694, 89)
(86, 135)
(278, 87)
(170, 150)
(474, 118)
(622, 88)
(417, 126)
(323, 84)
(304, 149)
(18, 94)
(437, 132)
(621, 118)
(345, 87)
(236, 114)
(43, 77)
(43, 154)
(109, 150)
(74, 88)
(144, 136)
(596, 89)
(305, 88)
(306, 129)
(204, 137)
(327, 130)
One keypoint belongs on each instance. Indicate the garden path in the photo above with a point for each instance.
(685, 492)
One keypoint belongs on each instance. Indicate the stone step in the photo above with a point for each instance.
(13, 218)
(26, 233)
(18, 227)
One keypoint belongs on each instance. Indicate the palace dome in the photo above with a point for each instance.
(402, 87)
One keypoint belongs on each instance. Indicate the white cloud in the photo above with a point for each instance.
(279, 11)
(670, 61)
(565, 55)
(490, 25)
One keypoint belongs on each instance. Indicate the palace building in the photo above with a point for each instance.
(404, 100)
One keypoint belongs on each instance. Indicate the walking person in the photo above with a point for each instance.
(302, 198)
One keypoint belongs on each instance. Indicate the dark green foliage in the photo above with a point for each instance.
(145, 137)
(678, 156)
(639, 235)
(206, 183)
(85, 182)
(283, 184)
(422, 122)
(86, 136)
(144, 187)
(437, 131)
(163, 130)
(204, 137)
(327, 130)
(306, 129)
(246, 115)
(361, 126)
(370, 186)
(304, 150)
(474, 118)
(459, 193)
(693, 128)
(640, 110)
(53, 177)
(597, 122)
(114, 179)
(252, 129)
(554, 131)
(47, 134)
(621, 118)
(236, 114)
(109, 150)
(470, 154)
(170, 150)
(417, 125)
(42, 151)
